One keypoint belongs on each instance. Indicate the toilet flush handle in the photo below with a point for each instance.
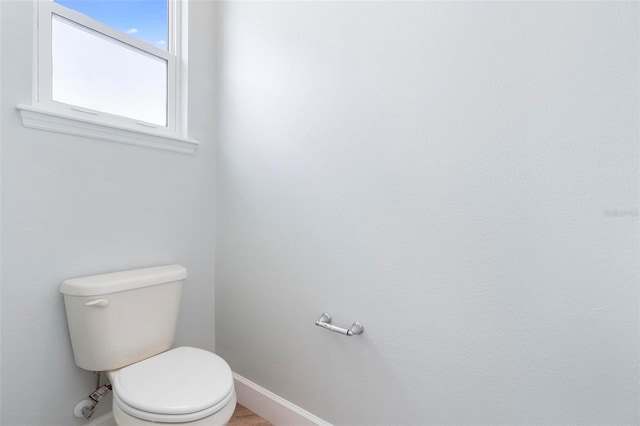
(101, 303)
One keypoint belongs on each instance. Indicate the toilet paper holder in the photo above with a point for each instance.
(325, 322)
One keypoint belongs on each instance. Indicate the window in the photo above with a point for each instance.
(98, 66)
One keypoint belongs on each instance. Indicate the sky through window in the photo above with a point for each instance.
(146, 20)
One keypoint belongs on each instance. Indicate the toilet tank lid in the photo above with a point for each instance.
(114, 282)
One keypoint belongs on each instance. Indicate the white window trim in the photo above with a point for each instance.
(36, 117)
(45, 114)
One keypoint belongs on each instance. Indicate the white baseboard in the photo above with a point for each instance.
(271, 407)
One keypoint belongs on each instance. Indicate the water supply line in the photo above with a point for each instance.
(86, 407)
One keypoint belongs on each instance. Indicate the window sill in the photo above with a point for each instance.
(42, 119)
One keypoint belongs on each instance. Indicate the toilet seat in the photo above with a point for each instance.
(178, 386)
(171, 418)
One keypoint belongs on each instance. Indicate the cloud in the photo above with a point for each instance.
(131, 31)
(161, 42)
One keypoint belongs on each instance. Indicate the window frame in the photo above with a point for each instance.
(47, 114)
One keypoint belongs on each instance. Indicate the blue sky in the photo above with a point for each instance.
(143, 19)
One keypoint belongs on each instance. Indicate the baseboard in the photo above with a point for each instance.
(271, 407)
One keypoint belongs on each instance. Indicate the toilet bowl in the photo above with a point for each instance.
(124, 323)
(183, 386)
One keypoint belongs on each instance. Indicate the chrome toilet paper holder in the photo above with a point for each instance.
(325, 322)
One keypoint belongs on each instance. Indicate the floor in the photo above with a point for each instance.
(242, 416)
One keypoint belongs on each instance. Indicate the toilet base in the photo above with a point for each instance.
(219, 418)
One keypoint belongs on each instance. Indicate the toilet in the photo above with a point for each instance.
(124, 324)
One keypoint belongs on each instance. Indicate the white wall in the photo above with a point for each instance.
(447, 174)
(73, 206)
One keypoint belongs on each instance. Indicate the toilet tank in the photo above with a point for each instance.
(121, 318)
